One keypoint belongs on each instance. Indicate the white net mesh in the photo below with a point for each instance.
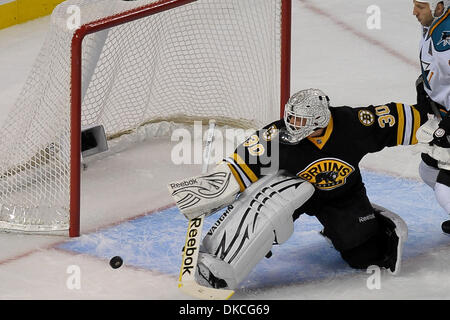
(209, 59)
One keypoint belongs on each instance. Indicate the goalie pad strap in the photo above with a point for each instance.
(245, 233)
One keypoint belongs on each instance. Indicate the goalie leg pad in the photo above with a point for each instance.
(245, 233)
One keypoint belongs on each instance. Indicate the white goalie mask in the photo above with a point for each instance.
(306, 111)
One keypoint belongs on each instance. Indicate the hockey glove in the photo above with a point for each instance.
(205, 194)
(441, 136)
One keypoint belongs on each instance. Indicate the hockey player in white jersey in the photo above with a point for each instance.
(433, 88)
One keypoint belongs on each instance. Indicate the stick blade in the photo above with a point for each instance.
(195, 290)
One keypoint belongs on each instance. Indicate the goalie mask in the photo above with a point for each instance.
(306, 111)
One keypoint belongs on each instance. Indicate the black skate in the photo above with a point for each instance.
(205, 278)
(446, 226)
(397, 233)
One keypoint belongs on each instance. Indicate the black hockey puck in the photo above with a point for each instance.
(116, 262)
(446, 226)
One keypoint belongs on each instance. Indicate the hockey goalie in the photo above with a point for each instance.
(305, 163)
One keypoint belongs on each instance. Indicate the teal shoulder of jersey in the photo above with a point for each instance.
(441, 33)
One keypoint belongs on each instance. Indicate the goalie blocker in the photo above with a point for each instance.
(205, 194)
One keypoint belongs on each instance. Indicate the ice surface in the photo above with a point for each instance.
(333, 50)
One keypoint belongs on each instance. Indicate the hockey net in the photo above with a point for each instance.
(130, 64)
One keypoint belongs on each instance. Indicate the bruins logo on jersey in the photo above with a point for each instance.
(327, 174)
(366, 117)
(270, 133)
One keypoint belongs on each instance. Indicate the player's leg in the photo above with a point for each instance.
(428, 170)
(245, 233)
(365, 236)
(384, 248)
(442, 192)
(439, 181)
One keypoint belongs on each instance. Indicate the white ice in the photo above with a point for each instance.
(334, 50)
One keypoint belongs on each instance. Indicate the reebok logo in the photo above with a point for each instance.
(183, 184)
(189, 260)
(366, 218)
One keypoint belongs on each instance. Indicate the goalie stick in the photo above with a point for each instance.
(186, 280)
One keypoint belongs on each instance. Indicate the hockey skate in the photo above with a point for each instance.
(446, 226)
(206, 278)
(214, 273)
(397, 233)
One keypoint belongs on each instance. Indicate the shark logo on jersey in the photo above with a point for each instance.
(445, 40)
(327, 174)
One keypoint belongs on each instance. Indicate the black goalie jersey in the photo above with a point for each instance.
(329, 162)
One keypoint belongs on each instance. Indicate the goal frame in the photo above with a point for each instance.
(76, 83)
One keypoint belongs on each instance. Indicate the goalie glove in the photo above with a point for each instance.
(205, 194)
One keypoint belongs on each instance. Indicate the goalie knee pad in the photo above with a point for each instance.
(245, 233)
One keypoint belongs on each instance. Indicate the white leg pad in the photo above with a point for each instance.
(245, 233)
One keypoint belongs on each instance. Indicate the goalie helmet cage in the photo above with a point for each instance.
(127, 64)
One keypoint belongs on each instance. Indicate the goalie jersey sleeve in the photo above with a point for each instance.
(329, 162)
